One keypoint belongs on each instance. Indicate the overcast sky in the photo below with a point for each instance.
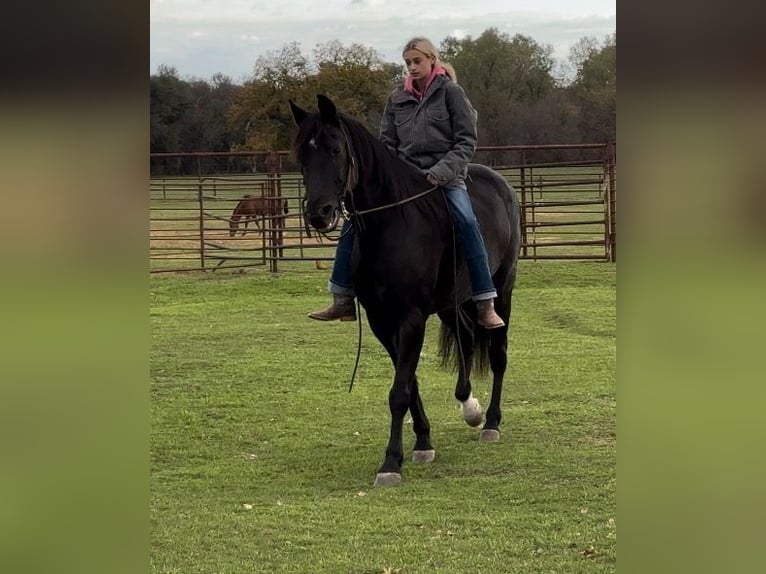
(203, 37)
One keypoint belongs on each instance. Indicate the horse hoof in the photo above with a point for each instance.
(490, 435)
(387, 479)
(423, 455)
(471, 409)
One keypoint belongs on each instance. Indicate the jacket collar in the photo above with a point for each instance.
(401, 95)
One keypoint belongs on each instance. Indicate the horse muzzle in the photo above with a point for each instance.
(326, 220)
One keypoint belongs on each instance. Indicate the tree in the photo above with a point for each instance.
(595, 87)
(260, 113)
(356, 78)
(204, 125)
(169, 100)
(510, 81)
(502, 76)
(282, 69)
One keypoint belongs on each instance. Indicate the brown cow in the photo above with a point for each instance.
(250, 208)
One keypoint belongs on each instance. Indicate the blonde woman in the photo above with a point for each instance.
(430, 123)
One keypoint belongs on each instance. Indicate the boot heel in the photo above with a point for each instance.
(487, 318)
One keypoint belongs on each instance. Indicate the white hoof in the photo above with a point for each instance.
(471, 410)
(490, 435)
(387, 479)
(423, 455)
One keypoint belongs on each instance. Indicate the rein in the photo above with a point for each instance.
(352, 178)
(396, 204)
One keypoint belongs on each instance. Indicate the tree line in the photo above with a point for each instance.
(519, 91)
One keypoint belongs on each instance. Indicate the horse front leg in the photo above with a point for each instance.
(409, 342)
(423, 450)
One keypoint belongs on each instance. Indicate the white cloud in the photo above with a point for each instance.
(238, 31)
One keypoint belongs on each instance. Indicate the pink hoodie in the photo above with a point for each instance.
(409, 84)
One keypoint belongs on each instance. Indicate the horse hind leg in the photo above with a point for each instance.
(469, 405)
(463, 350)
(498, 361)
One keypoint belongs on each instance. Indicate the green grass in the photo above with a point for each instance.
(250, 407)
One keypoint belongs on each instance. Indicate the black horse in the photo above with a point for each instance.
(407, 266)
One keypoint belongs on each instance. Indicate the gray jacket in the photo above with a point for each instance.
(436, 134)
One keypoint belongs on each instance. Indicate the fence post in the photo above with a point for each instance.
(201, 214)
(279, 211)
(611, 200)
(201, 223)
(272, 165)
(523, 214)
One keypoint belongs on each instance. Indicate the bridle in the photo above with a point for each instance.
(352, 175)
(346, 193)
(352, 178)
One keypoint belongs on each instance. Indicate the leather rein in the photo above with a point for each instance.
(352, 178)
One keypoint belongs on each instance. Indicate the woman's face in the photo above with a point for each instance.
(418, 64)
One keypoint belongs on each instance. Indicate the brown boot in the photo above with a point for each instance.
(342, 309)
(487, 316)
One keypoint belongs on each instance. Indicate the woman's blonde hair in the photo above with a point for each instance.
(425, 46)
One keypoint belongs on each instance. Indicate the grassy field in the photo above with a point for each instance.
(261, 460)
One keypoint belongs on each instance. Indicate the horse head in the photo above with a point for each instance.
(323, 150)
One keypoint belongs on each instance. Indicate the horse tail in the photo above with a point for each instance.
(450, 352)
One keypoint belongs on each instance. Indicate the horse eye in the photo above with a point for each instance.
(335, 151)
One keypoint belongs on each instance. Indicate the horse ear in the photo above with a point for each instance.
(327, 110)
(299, 114)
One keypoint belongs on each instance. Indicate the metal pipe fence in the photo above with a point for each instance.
(567, 192)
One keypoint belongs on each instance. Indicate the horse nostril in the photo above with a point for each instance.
(326, 210)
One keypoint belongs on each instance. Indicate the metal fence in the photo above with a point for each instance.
(568, 197)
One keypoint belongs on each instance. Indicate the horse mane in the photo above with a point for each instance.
(369, 150)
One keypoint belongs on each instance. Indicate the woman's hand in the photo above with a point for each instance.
(431, 179)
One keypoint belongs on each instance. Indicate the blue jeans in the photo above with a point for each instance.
(469, 237)
(340, 281)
